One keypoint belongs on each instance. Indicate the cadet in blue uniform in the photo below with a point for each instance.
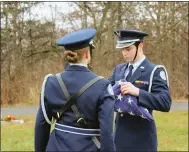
(86, 125)
(149, 83)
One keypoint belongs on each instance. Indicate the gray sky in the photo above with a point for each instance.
(47, 10)
(43, 10)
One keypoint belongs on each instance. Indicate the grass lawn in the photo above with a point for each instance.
(172, 130)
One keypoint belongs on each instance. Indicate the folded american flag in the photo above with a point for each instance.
(128, 104)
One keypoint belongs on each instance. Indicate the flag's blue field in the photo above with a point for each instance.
(128, 104)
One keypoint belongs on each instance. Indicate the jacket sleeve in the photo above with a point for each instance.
(112, 77)
(159, 98)
(43, 122)
(106, 116)
(42, 130)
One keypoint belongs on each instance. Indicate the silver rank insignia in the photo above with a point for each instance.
(118, 33)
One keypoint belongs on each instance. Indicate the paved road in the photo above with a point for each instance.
(33, 110)
(179, 106)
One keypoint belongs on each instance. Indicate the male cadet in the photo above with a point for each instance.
(149, 83)
(81, 102)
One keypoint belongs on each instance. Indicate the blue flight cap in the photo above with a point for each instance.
(78, 39)
(128, 37)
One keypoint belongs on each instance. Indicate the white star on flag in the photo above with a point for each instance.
(119, 82)
(131, 113)
(129, 100)
(119, 110)
(143, 116)
(146, 110)
(119, 97)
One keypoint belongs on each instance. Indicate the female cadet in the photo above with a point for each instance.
(149, 83)
(87, 123)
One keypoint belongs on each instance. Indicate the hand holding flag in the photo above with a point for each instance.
(128, 103)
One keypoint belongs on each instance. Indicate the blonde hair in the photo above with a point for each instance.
(74, 56)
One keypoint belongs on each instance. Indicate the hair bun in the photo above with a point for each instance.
(71, 56)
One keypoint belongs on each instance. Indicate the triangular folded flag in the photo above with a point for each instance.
(128, 103)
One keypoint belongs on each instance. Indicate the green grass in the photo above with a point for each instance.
(17, 137)
(172, 130)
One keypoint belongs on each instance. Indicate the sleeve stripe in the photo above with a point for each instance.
(152, 74)
(42, 100)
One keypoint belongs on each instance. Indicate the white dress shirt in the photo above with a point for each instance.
(135, 66)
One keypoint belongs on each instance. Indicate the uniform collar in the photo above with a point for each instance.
(79, 64)
(76, 67)
(137, 63)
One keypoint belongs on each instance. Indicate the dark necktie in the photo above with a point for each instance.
(130, 73)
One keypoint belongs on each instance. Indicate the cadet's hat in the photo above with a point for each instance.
(128, 37)
(77, 39)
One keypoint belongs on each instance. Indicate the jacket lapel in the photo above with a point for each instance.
(123, 69)
(138, 72)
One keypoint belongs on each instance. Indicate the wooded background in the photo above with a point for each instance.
(28, 50)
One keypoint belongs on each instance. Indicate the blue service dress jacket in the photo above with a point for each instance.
(96, 105)
(133, 133)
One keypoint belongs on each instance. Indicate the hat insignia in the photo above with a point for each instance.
(118, 33)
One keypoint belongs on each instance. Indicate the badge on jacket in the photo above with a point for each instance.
(110, 90)
(163, 75)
